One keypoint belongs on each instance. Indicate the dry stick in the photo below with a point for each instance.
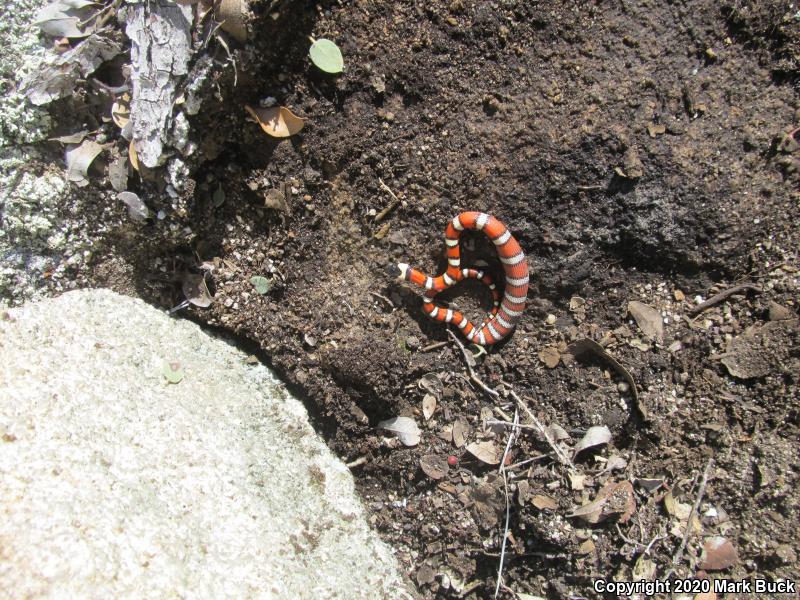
(433, 346)
(474, 378)
(562, 458)
(679, 554)
(723, 295)
(511, 437)
(384, 298)
(395, 203)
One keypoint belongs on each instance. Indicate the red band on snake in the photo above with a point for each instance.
(505, 313)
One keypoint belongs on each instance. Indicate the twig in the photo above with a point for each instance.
(516, 465)
(433, 346)
(384, 298)
(562, 458)
(679, 554)
(472, 376)
(723, 295)
(394, 204)
(508, 503)
(357, 462)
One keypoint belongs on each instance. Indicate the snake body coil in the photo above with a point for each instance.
(505, 313)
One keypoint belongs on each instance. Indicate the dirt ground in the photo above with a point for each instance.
(639, 152)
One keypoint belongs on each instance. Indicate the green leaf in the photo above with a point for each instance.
(262, 284)
(172, 372)
(327, 56)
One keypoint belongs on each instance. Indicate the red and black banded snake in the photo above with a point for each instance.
(505, 313)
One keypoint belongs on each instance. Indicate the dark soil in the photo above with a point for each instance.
(637, 151)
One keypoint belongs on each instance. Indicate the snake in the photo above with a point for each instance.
(506, 309)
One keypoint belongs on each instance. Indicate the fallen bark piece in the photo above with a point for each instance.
(60, 78)
(160, 33)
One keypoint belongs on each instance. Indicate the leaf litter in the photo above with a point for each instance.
(405, 428)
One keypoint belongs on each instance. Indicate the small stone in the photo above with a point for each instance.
(776, 312)
(679, 295)
(550, 320)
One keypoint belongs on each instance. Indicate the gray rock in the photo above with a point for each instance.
(115, 483)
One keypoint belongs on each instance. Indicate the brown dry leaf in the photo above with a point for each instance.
(275, 200)
(79, 159)
(486, 452)
(232, 16)
(550, 356)
(598, 435)
(434, 466)
(578, 347)
(648, 319)
(133, 156)
(718, 554)
(431, 383)
(460, 431)
(196, 290)
(590, 512)
(621, 500)
(428, 406)
(121, 111)
(613, 499)
(543, 502)
(586, 547)
(277, 121)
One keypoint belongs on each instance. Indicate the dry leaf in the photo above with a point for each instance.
(718, 554)
(485, 452)
(648, 319)
(557, 432)
(613, 499)
(275, 200)
(621, 500)
(133, 156)
(598, 435)
(586, 547)
(543, 502)
(650, 484)
(277, 121)
(576, 481)
(590, 512)
(121, 111)
(73, 138)
(460, 430)
(431, 383)
(118, 172)
(583, 345)
(196, 290)
(550, 356)
(137, 209)
(405, 428)
(428, 406)
(79, 158)
(644, 569)
(63, 19)
(434, 466)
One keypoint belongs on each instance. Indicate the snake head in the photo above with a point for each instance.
(396, 270)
